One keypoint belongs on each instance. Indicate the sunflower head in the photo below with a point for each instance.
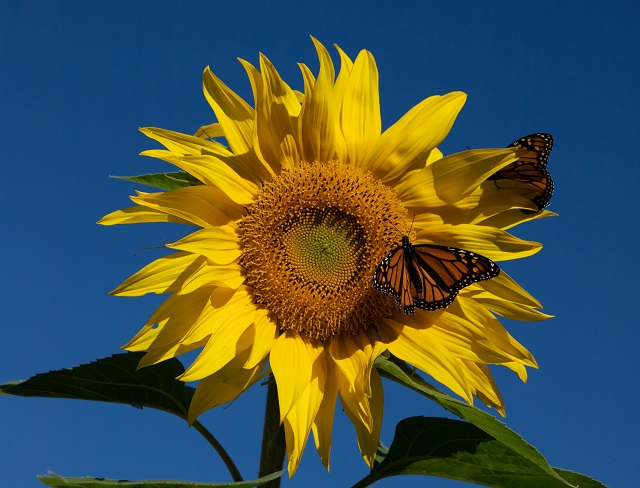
(293, 214)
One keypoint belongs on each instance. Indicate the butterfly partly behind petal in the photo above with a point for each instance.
(531, 168)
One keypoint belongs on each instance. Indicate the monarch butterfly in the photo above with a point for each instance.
(429, 276)
(531, 168)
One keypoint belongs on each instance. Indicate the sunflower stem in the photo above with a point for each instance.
(226, 459)
(273, 440)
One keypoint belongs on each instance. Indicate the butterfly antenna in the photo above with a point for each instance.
(147, 249)
(392, 224)
(396, 228)
(164, 245)
(203, 129)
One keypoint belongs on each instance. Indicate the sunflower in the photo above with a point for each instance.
(298, 200)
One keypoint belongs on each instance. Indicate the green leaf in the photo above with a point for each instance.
(487, 423)
(54, 480)
(459, 450)
(166, 181)
(116, 380)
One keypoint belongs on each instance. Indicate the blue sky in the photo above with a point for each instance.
(79, 78)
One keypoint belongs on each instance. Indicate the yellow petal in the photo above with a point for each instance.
(511, 310)
(157, 355)
(360, 387)
(210, 131)
(451, 335)
(246, 166)
(368, 434)
(416, 347)
(266, 333)
(184, 144)
(174, 317)
(138, 215)
(280, 91)
(519, 369)
(354, 364)
(491, 328)
(323, 424)
(360, 117)
(197, 205)
(221, 169)
(506, 298)
(368, 442)
(352, 360)
(234, 115)
(298, 421)
(215, 172)
(502, 287)
(220, 301)
(308, 79)
(490, 242)
(318, 120)
(479, 207)
(164, 275)
(221, 245)
(434, 156)
(224, 386)
(339, 89)
(511, 218)
(229, 336)
(484, 385)
(294, 364)
(276, 125)
(204, 205)
(229, 275)
(407, 143)
(326, 64)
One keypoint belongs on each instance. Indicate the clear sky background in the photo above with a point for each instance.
(78, 78)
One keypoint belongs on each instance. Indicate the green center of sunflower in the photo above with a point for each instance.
(312, 241)
(323, 246)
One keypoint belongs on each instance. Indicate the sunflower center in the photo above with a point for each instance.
(312, 241)
(323, 246)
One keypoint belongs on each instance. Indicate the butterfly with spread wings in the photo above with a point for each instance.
(531, 169)
(428, 276)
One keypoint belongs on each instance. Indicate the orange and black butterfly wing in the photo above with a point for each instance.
(542, 199)
(528, 173)
(544, 196)
(434, 292)
(392, 277)
(530, 168)
(538, 148)
(446, 270)
(429, 276)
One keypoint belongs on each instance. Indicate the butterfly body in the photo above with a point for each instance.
(428, 276)
(531, 168)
